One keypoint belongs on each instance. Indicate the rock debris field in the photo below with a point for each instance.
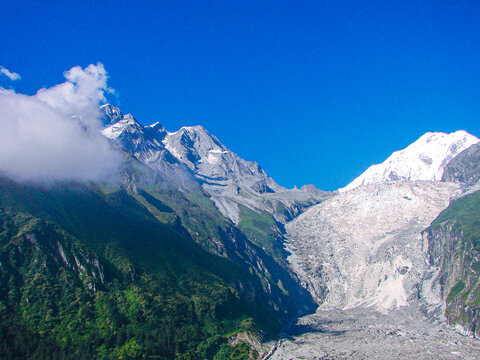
(368, 334)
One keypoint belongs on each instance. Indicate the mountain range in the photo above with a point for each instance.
(230, 181)
(401, 239)
(192, 252)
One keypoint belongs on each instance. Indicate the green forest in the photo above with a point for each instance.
(101, 272)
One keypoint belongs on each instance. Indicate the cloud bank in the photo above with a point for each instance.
(11, 75)
(54, 134)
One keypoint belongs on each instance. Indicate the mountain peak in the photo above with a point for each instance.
(193, 154)
(194, 145)
(425, 159)
(112, 113)
(193, 128)
(126, 124)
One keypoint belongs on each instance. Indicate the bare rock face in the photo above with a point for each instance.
(465, 167)
(231, 181)
(364, 247)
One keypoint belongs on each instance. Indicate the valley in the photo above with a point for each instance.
(239, 180)
(392, 262)
(192, 252)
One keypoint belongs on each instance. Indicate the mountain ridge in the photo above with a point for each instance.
(424, 159)
(192, 152)
(191, 241)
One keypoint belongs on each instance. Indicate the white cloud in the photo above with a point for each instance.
(80, 94)
(11, 75)
(42, 140)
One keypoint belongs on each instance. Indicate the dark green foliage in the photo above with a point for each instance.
(465, 212)
(261, 243)
(262, 230)
(456, 290)
(242, 351)
(90, 274)
(257, 250)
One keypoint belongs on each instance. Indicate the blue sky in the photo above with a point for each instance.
(315, 91)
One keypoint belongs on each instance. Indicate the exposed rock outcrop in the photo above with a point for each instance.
(465, 167)
(452, 246)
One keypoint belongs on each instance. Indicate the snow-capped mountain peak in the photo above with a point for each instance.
(192, 154)
(425, 159)
(112, 114)
(194, 145)
(126, 124)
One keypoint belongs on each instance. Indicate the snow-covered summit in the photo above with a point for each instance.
(232, 181)
(193, 154)
(194, 145)
(126, 124)
(425, 159)
(112, 114)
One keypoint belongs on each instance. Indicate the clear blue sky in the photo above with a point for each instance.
(315, 91)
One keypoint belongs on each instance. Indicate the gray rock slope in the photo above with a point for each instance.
(231, 180)
(465, 167)
(193, 153)
(364, 334)
(383, 282)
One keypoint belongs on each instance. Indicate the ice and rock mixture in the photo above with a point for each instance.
(364, 247)
(362, 256)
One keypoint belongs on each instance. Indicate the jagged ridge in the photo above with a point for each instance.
(229, 180)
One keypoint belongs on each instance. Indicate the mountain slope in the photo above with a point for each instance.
(165, 253)
(196, 162)
(382, 281)
(229, 180)
(452, 243)
(364, 247)
(95, 275)
(207, 173)
(425, 159)
(196, 213)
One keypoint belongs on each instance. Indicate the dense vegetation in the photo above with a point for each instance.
(109, 274)
(465, 214)
(262, 230)
(455, 235)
